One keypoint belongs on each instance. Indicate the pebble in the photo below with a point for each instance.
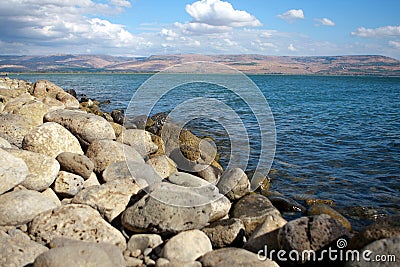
(68, 184)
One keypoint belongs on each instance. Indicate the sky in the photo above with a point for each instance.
(150, 27)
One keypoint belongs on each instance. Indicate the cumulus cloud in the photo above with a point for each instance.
(292, 48)
(381, 32)
(325, 22)
(292, 15)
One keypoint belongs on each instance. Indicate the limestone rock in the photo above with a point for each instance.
(86, 127)
(4, 143)
(187, 246)
(50, 194)
(224, 233)
(110, 199)
(13, 171)
(43, 88)
(234, 184)
(74, 221)
(76, 163)
(53, 104)
(20, 207)
(187, 180)
(105, 152)
(91, 181)
(51, 139)
(14, 127)
(163, 165)
(34, 110)
(42, 169)
(117, 170)
(140, 140)
(143, 241)
(68, 184)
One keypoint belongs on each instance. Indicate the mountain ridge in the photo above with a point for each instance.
(248, 63)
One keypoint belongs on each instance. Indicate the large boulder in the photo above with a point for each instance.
(20, 207)
(74, 221)
(163, 165)
(42, 169)
(14, 127)
(86, 127)
(234, 183)
(13, 171)
(43, 89)
(34, 110)
(51, 139)
(140, 140)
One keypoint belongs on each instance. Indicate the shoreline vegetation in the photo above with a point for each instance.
(80, 186)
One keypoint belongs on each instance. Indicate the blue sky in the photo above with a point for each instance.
(146, 27)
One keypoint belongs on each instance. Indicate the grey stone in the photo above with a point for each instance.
(42, 169)
(76, 163)
(228, 257)
(143, 174)
(86, 127)
(91, 181)
(50, 194)
(187, 246)
(188, 180)
(18, 250)
(224, 233)
(143, 241)
(163, 165)
(13, 171)
(68, 184)
(117, 170)
(14, 127)
(140, 140)
(234, 183)
(74, 221)
(325, 209)
(51, 139)
(20, 207)
(105, 152)
(110, 199)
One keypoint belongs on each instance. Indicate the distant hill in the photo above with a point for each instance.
(252, 64)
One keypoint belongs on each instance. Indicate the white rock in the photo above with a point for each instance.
(13, 171)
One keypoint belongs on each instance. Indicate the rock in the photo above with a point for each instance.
(86, 127)
(105, 152)
(1, 106)
(91, 181)
(187, 246)
(163, 165)
(13, 171)
(118, 129)
(52, 104)
(4, 143)
(138, 139)
(313, 201)
(228, 257)
(42, 89)
(386, 250)
(17, 102)
(161, 262)
(118, 116)
(34, 110)
(117, 170)
(18, 250)
(252, 211)
(383, 228)
(188, 180)
(74, 221)
(234, 184)
(285, 204)
(51, 139)
(42, 170)
(50, 194)
(110, 199)
(14, 127)
(143, 241)
(68, 184)
(169, 209)
(310, 233)
(224, 233)
(325, 209)
(72, 92)
(266, 234)
(159, 143)
(76, 163)
(219, 208)
(211, 173)
(20, 207)
(143, 174)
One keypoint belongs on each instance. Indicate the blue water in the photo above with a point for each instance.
(337, 137)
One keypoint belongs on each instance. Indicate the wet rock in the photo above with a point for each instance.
(143, 241)
(86, 127)
(74, 221)
(72, 92)
(187, 246)
(266, 234)
(4, 143)
(163, 165)
(51, 139)
(42, 170)
(228, 257)
(105, 152)
(313, 201)
(14, 127)
(76, 163)
(252, 211)
(159, 119)
(110, 199)
(224, 233)
(234, 184)
(68, 184)
(140, 140)
(383, 228)
(13, 171)
(325, 209)
(118, 116)
(285, 204)
(20, 207)
(310, 233)
(18, 250)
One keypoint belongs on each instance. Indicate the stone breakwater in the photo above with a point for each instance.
(81, 187)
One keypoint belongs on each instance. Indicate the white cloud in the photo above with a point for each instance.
(292, 15)
(395, 44)
(381, 32)
(292, 48)
(325, 22)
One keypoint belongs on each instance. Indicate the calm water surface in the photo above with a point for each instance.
(337, 137)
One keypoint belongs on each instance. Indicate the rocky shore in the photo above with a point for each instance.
(82, 187)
